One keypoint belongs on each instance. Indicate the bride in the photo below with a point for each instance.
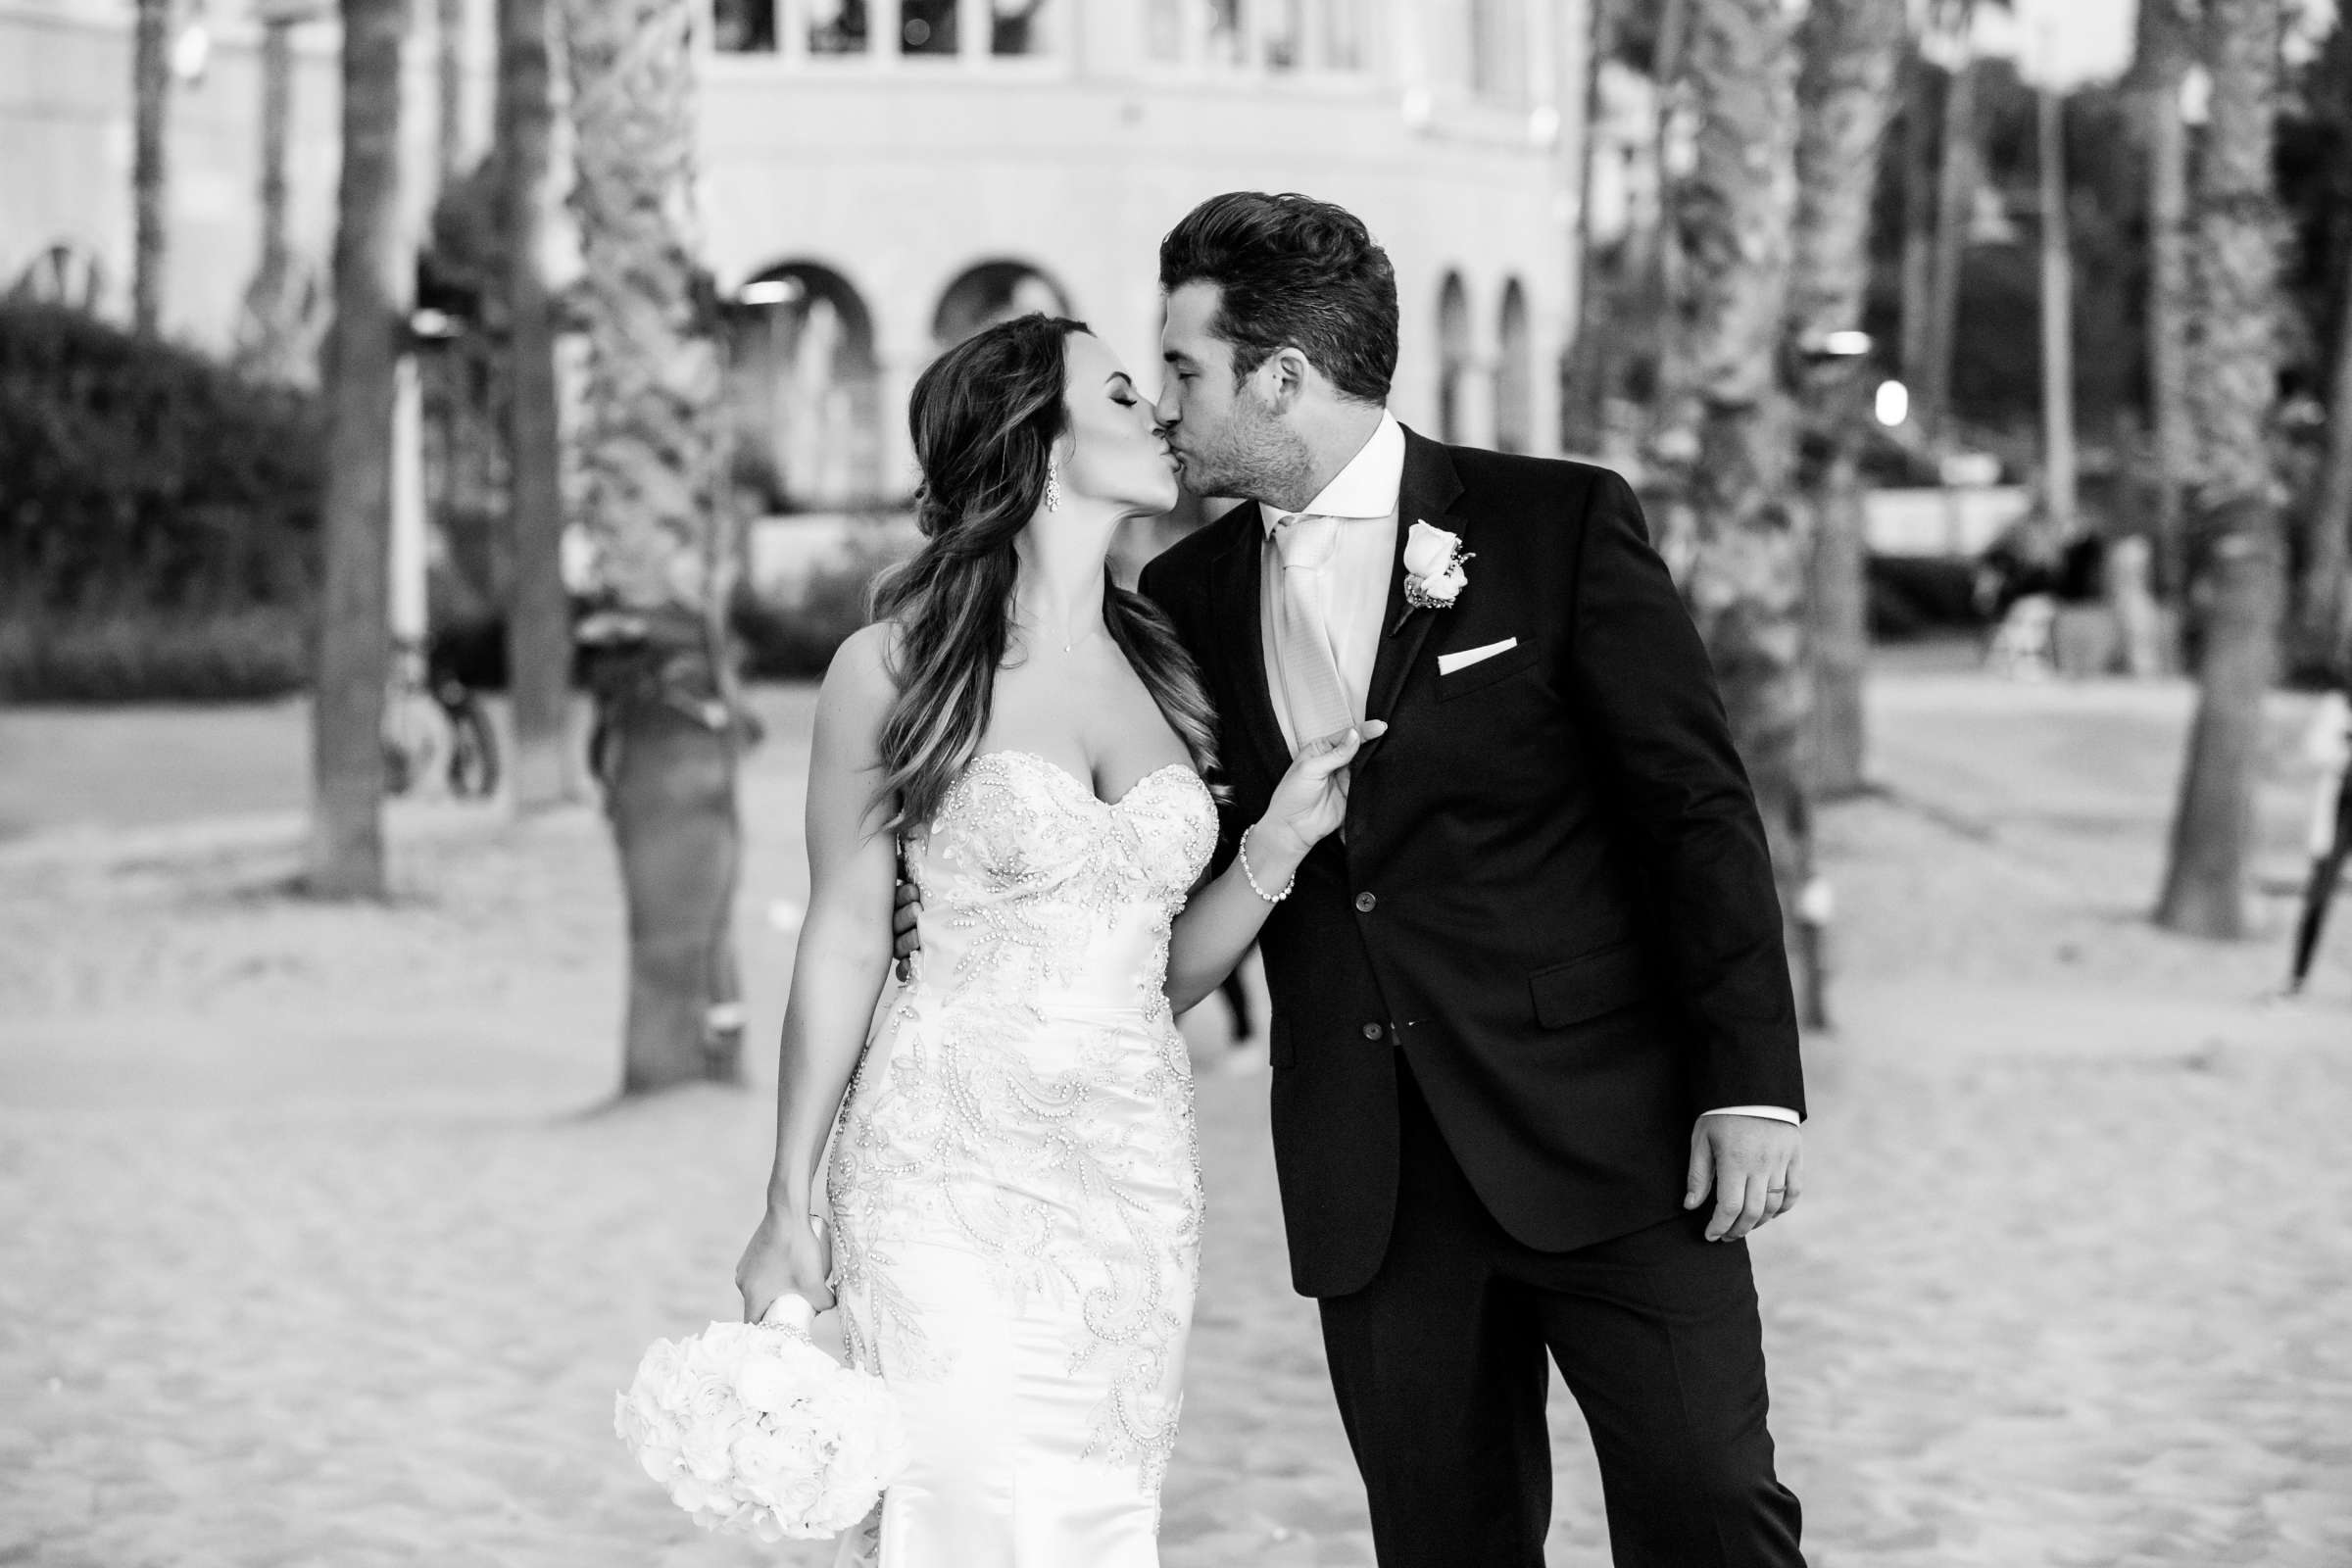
(1013, 1195)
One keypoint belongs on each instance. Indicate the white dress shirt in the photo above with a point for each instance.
(1355, 584)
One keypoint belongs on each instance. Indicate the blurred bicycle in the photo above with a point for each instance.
(437, 732)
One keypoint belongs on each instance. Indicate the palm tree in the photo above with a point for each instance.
(2232, 377)
(668, 733)
(1955, 195)
(273, 340)
(370, 284)
(2164, 49)
(1725, 440)
(1917, 279)
(448, 91)
(1850, 52)
(150, 99)
(2327, 599)
(1584, 375)
(538, 619)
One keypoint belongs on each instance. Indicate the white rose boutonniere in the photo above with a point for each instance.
(1434, 558)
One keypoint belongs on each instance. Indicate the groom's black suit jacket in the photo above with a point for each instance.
(1553, 895)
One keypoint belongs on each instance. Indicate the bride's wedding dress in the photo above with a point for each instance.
(1014, 1183)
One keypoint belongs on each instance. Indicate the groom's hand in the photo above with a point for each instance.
(1753, 1165)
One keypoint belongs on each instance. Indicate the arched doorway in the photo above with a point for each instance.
(1454, 358)
(1514, 375)
(992, 292)
(805, 391)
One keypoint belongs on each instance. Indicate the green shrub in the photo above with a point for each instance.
(154, 656)
(797, 641)
(159, 516)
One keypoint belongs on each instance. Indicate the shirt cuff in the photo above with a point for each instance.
(1769, 1113)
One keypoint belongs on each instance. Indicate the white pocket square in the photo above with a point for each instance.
(1448, 664)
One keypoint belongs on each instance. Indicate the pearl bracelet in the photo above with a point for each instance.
(1252, 877)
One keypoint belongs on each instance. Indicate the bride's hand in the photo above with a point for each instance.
(787, 1255)
(1309, 802)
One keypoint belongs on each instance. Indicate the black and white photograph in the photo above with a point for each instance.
(1175, 783)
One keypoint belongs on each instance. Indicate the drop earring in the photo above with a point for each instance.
(1052, 484)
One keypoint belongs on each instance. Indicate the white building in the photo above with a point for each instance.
(880, 177)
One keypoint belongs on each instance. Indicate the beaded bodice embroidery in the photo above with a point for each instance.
(1039, 894)
(1027, 1097)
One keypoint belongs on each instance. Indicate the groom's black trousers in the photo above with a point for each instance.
(1438, 1364)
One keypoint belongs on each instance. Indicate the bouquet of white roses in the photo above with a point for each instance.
(755, 1431)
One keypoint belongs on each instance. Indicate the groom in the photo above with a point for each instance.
(1547, 942)
(1531, 1006)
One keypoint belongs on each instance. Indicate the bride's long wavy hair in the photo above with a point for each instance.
(985, 418)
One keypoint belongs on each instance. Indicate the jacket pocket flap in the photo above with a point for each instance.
(1487, 672)
(1589, 986)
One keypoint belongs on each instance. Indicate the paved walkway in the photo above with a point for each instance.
(314, 1250)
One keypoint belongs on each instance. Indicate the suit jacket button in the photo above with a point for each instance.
(1364, 903)
(1371, 1030)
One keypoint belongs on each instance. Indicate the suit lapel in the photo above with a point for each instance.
(1240, 571)
(1430, 489)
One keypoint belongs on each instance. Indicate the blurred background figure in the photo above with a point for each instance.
(2327, 747)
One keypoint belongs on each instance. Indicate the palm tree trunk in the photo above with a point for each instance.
(2234, 369)
(1955, 195)
(270, 342)
(1584, 381)
(1726, 441)
(2326, 597)
(449, 73)
(150, 190)
(371, 285)
(277, 117)
(1919, 214)
(667, 729)
(1850, 51)
(539, 619)
(1651, 258)
(2164, 52)
(2057, 317)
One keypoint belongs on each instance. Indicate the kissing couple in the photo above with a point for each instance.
(1431, 725)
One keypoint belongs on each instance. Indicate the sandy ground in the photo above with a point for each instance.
(318, 1244)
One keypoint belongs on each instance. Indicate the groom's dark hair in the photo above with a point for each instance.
(1292, 271)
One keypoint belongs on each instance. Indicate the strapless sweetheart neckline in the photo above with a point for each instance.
(1084, 785)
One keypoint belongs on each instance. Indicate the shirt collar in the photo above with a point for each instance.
(1367, 487)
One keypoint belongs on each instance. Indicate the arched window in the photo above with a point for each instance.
(857, 29)
(993, 292)
(1514, 375)
(1454, 358)
(805, 391)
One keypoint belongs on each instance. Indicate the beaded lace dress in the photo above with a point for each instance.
(1014, 1182)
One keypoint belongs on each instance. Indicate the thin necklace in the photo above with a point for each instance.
(1084, 631)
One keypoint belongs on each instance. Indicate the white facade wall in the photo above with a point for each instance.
(899, 174)
(65, 148)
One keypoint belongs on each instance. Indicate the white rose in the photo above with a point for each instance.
(707, 1455)
(1427, 549)
(765, 1386)
(1447, 585)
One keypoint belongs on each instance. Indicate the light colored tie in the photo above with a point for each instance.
(1312, 690)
